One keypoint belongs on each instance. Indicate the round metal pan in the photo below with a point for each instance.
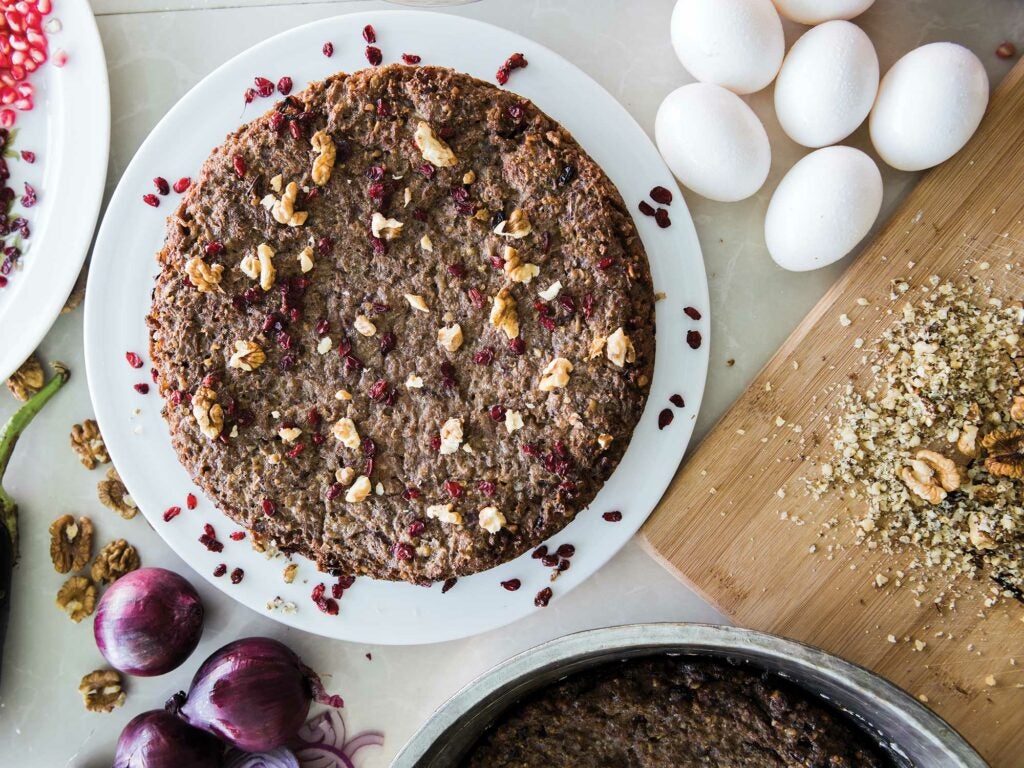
(913, 735)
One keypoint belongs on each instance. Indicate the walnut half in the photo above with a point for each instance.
(113, 495)
(87, 442)
(1005, 453)
(77, 597)
(931, 476)
(114, 561)
(27, 380)
(101, 690)
(208, 413)
(70, 543)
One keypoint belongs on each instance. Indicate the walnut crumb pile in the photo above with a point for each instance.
(933, 449)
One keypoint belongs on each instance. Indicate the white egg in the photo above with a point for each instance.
(713, 142)
(737, 44)
(817, 11)
(827, 84)
(929, 104)
(822, 208)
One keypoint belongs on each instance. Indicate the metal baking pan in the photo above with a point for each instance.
(913, 735)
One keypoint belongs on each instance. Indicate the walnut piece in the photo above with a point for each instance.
(513, 421)
(305, 259)
(102, 690)
(113, 495)
(205, 277)
(931, 476)
(1017, 408)
(364, 326)
(208, 413)
(283, 210)
(517, 270)
(451, 436)
(619, 348)
(434, 150)
(491, 520)
(88, 443)
(450, 337)
(1005, 453)
(980, 538)
(344, 430)
(444, 513)
(555, 375)
(516, 226)
(359, 490)
(504, 315)
(248, 356)
(27, 380)
(289, 572)
(383, 227)
(967, 442)
(70, 543)
(77, 597)
(323, 163)
(260, 266)
(114, 561)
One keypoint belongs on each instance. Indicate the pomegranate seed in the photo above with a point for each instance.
(151, 199)
(209, 531)
(411, 493)
(337, 591)
(161, 185)
(220, 570)
(416, 527)
(27, 156)
(419, 214)
(295, 452)
(605, 263)
(346, 582)
(517, 345)
(237, 575)
(295, 129)
(318, 592)
(454, 489)
(236, 535)
(387, 343)
(383, 110)
(182, 184)
(448, 584)
(324, 246)
(693, 338)
(661, 195)
(539, 552)
(484, 356)
(646, 208)
(378, 390)
(249, 95)
(170, 513)
(497, 413)
(661, 217)
(373, 55)
(501, 75)
(29, 198)
(329, 606)
(403, 551)
(334, 491)
(486, 487)
(543, 598)
(665, 418)
(411, 58)
(677, 401)
(133, 359)
(213, 247)
(516, 61)
(191, 501)
(239, 163)
(328, 49)
(275, 121)
(548, 323)
(612, 517)
(692, 313)
(512, 584)
(566, 551)
(369, 34)
(435, 443)
(264, 87)
(269, 507)
(1006, 50)
(549, 561)
(284, 85)
(211, 543)
(456, 270)
(142, 388)
(476, 298)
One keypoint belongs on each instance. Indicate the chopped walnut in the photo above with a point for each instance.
(416, 302)
(113, 495)
(359, 490)
(70, 543)
(491, 520)
(414, 381)
(383, 227)
(444, 513)
(205, 277)
(305, 259)
(513, 421)
(88, 443)
(504, 315)
(289, 434)
(980, 538)
(597, 345)
(518, 270)
(604, 440)
(27, 380)
(1005, 453)
(469, 177)
(931, 475)
(283, 210)
(450, 337)
(323, 163)
(967, 442)
(260, 266)
(289, 572)
(344, 430)
(345, 475)
(551, 292)
(426, 243)
(516, 226)
(619, 348)
(451, 436)
(207, 412)
(114, 561)
(364, 326)
(1017, 409)
(248, 356)
(102, 690)
(555, 375)
(434, 150)
(77, 597)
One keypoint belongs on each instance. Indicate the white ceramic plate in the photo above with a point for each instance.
(122, 277)
(69, 130)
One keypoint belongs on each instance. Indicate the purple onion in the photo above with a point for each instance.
(157, 739)
(275, 758)
(148, 622)
(253, 693)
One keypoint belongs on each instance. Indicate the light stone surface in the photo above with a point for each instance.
(156, 50)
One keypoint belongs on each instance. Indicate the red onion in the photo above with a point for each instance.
(253, 693)
(281, 757)
(158, 739)
(148, 622)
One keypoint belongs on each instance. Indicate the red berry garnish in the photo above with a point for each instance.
(133, 359)
(170, 513)
(151, 199)
(284, 85)
(692, 313)
(369, 34)
(328, 49)
(191, 501)
(612, 517)
(161, 185)
(373, 55)
(411, 58)
(661, 195)
(543, 597)
(665, 418)
(182, 184)
(512, 584)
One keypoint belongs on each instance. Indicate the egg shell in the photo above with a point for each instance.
(822, 208)
(737, 44)
(713, 142)
(816, 11)
(827, 84)
(929, 104)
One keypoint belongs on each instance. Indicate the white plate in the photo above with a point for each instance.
(122, 277)
(69, 130)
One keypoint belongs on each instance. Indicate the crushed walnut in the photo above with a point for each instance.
(102, 690)
(27, 380)
(283, 210)
(434, 150)
(113, 495)
(289, 572)
(444, 513)
(491, 520)
(451, 436)
(70, 543)
(555, 375)
(450, 337)
(205, 277)
(619, 348)
(323, 163)
(504, 315)
(416, 302)
(113, 561)
(516, 226)
(344, 430)
(383, 227)
(87, 442)
(260, 266)
(518, 270)
(359, 490)
(77, 597)
(248, 356)
(207, 412)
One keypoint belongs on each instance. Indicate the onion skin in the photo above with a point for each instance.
(254, 694)
(157, 739)
(148, 622)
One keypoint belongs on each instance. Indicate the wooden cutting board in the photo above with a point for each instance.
(725, 528)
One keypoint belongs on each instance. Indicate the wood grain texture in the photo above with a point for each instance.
(726, 529)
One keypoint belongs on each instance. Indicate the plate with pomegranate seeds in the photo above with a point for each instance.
(392, 375)
(55, 135)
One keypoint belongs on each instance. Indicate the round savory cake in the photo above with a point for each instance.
(675, 712)
(404, 325)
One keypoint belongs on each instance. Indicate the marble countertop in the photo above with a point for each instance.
(156, 50)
